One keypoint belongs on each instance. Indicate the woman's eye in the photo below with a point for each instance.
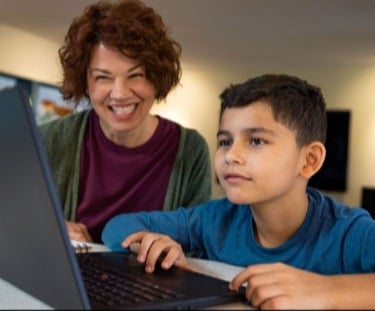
(136, 75)
(98, 78)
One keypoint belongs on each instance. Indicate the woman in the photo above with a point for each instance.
(116, 157)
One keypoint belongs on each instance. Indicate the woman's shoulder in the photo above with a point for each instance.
(65, 124)
(191, 133)
(186, 132)
(192, 139)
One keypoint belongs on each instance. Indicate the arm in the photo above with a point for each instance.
(172, 223)
(279, 286)
(155, 232)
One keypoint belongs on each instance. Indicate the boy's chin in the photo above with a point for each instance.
(237, 199)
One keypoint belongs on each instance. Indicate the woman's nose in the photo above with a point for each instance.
(120, 90)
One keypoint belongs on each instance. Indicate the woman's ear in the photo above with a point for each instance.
(315, 154)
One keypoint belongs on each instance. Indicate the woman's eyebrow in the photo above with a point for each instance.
(94, 69)
(91, 70)
(135, 67)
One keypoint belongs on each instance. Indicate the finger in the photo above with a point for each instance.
(245, 275)
(156, 246)
(133, 238)
(134, 247)
(77, 236)
(173, 256)
(86, 233)
(78, 231)
(145, 251)
(241, 278)
(263, 293)
(80, 236)
(83, 230)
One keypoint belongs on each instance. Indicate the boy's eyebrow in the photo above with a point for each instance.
(252, 130)
(91, 70)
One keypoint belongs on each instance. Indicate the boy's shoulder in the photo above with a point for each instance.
(327, 207)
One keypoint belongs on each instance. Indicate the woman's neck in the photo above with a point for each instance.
(135, 137)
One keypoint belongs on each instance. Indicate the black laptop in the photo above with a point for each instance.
(36, 253)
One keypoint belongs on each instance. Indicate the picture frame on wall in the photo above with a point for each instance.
(46, 99)
(48, 103)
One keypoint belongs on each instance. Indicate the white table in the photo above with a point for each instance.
(13, 298)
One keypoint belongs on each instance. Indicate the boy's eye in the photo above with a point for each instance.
(224, 143)
(255, 141)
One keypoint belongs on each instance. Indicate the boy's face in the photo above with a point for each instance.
(257, 159)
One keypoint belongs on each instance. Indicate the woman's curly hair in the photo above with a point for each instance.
(130, 27)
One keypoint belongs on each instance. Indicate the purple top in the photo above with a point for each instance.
(116, 179)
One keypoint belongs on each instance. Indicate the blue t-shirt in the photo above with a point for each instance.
(333, 238)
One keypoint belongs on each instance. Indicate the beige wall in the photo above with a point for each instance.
(28, 56)
(345, 86)
(195, 103)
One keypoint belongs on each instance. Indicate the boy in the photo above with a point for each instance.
(300, 249)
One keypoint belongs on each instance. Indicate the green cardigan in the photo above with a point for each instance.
(189, 184)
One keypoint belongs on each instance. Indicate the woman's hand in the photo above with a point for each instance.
(279, 286)
(78, 232)
(153, 247)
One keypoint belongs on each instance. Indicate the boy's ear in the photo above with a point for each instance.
(315, 154)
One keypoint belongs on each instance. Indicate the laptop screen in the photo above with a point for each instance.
(36, 253)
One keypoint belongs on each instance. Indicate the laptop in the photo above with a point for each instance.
(36, 253)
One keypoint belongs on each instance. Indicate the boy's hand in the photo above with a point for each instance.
(153, 246)
(279, 286)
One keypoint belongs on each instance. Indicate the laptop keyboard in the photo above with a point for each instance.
(113, 288)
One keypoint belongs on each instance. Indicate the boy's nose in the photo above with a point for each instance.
(234, 155)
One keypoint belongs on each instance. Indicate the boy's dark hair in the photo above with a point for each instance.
(294, 103)
(128, 26)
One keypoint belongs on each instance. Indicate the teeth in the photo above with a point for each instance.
(123, 109)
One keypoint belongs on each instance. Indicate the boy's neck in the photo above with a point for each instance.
(275, 224)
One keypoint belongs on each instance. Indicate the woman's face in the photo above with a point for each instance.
(119, 92)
